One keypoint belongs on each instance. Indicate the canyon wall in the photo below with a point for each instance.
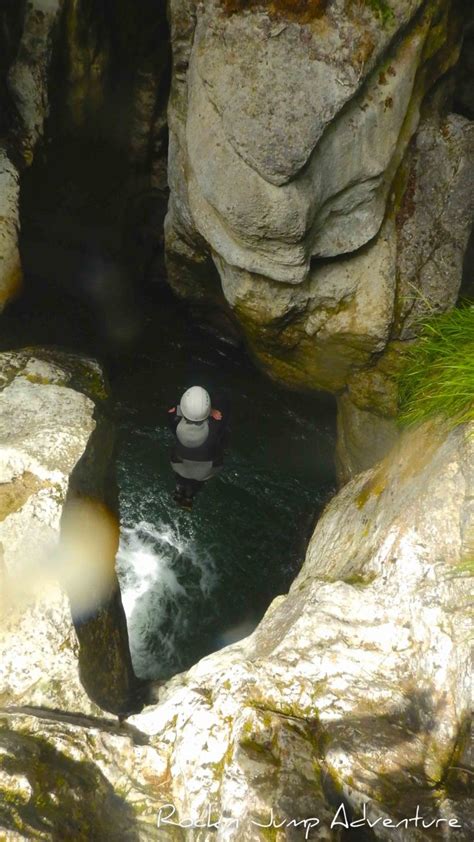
(352, 695)
(63, 633)
(320, 184)
(321, 190)
(85, 73)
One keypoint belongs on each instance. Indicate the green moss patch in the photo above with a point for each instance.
(13, 495)
(382, 10)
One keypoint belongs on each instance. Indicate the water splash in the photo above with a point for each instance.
(166, 582)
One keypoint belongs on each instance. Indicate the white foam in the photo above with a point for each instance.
(151, 565)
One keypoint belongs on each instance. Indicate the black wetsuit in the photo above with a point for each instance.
(194, 465)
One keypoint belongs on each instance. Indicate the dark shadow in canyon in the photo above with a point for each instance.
(92, 252)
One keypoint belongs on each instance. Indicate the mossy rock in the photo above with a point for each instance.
(53, 366)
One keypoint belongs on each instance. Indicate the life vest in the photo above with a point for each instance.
(192, 435)
(197, 453)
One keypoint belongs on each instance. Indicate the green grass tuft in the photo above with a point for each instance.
(465, 568)
(438, 377)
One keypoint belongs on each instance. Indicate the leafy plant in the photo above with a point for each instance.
(438, 375)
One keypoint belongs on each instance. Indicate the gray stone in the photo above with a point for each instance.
(337, 202)
(302, 207)
(276, 85)
(435, 220)
(363, 438)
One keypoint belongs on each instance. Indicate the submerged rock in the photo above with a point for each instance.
(348, 702)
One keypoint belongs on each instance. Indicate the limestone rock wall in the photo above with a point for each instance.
(28, 31)
(10, 267)
(354, 690)
(58, 539)
(315, 164)
(83, 71)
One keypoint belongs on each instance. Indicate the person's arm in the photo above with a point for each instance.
(218, 424)
(174, 416)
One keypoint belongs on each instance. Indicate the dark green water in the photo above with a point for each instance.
(191, 582)
(195, 581)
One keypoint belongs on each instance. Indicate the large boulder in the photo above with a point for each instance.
(349, 702)
(62, 626)
(314, 163)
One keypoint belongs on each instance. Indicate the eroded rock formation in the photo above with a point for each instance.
(314, 162)
(354, 689)
(321, 190)
(56, 458)
(321, 194)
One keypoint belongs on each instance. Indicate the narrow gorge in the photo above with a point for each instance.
(274, 200)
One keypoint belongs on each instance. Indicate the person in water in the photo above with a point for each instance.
(198, 452)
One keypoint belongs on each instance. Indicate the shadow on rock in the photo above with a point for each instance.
(50, 793)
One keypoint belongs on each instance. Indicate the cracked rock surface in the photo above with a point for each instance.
(315, 165)
(353, 689)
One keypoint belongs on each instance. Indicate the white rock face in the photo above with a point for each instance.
(354, 689)
(45, 427)
(281, 104)
(284, 152)
(333, 206)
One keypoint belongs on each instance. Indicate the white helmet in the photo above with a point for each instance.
(195, 404)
